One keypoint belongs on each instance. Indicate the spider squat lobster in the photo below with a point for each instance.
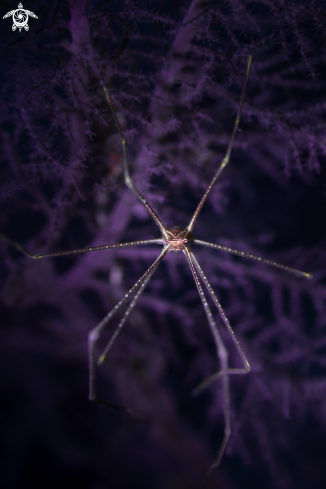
(173, 239)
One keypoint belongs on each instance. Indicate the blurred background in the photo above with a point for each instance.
(175, 72)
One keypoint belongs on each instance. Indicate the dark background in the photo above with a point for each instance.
(175, 71)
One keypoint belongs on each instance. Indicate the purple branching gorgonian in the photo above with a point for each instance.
(174, 70)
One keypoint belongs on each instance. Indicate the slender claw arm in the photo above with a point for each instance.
(231, 371)
(226, 158)
(109, 345)
(79, 250)
(126, 173)
(222, 356)
(126, 315)
(253, 257)
(95, 333)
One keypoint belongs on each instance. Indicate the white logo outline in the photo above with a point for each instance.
(20, 18)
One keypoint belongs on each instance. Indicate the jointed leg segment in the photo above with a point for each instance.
(126, 173)
(231, 371)
(94, 335)
(253, 257)
(226, 158)
(222, 356)
(78, 250)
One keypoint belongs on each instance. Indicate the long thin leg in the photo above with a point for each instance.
(79, 250)
(95, 333)
(253, 257)
(231, 371)
(109, 345)
(226, 158)
(223, 358)
(125, 316)
(126, 173)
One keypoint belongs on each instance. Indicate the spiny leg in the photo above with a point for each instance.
(226, 158)
(253, 257)
(95, 333)
(113, 338)
(203, 385)
(78, 250)
(126, 173)
(86, 250)
(125, 316)
(232, 371)
(223, 358)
